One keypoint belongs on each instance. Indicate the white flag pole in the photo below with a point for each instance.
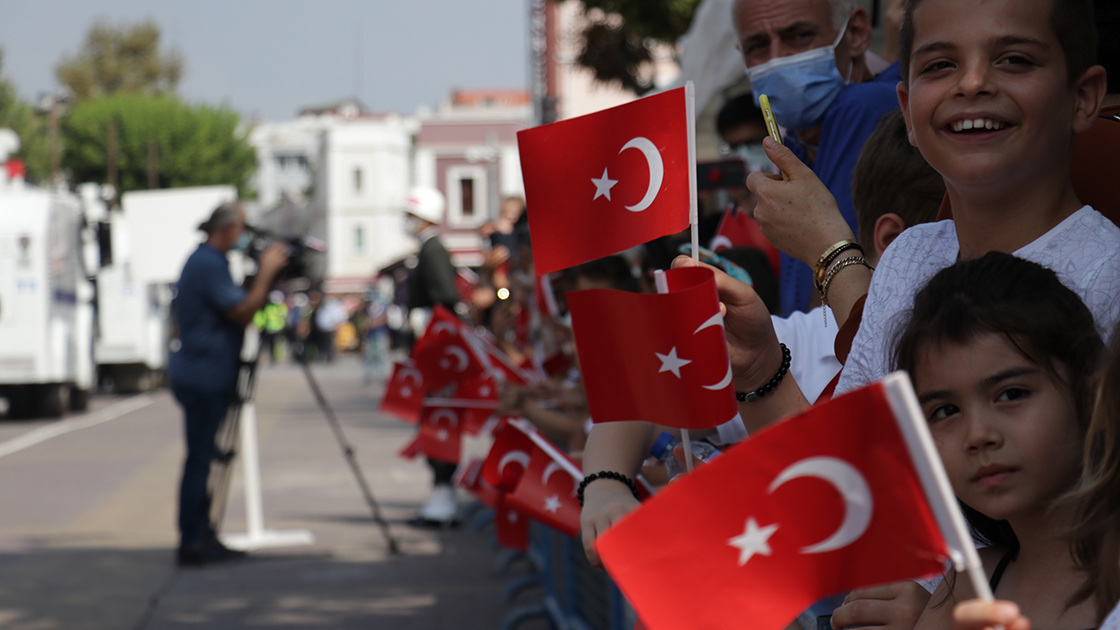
(935, 482)
(693, 209)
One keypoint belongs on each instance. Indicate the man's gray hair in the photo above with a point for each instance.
(841, 9)
(223, 215)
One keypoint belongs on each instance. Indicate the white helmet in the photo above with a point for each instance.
(426, 203)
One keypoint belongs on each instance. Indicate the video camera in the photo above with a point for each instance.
(301, 251)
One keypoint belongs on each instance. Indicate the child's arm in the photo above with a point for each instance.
(976, 614)
(616, 447)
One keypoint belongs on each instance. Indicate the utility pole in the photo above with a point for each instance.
(111, 160)
(153, 165)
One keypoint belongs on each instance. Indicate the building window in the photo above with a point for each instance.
(357, 180)
(359, 240)
(466, 190)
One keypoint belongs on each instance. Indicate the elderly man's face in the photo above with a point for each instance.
(778, 28)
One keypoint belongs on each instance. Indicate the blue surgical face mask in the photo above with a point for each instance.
(802, 86)
(242, 243)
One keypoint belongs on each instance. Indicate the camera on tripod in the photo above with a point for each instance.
(302, 252)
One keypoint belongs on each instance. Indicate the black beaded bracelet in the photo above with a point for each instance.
(606, 474)
(770, 385)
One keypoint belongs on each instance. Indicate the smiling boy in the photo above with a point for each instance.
(993, 94)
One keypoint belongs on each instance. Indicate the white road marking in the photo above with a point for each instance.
(62, 427)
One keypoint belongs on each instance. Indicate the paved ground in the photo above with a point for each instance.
(87, 523)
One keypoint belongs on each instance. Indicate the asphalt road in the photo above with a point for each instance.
(87, 522)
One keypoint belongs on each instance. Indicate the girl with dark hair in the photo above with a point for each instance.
(1004, 359)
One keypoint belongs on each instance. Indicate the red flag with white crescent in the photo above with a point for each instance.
(547, 489)
(738, 229)
(441, 434)
(605, 182)
(508, 457)
(661, 358)
(404, 393)
(469, 477)
(448, 354)
(819, 501)
(480, 389)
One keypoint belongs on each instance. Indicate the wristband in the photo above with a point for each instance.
(830, 255)
(771, 384)
(606, 474)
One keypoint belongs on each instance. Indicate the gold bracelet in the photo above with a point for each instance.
(830, 255)
(847, 262)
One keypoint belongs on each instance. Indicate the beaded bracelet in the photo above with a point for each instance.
(830, 255)
(847, 262)
(606, 474)
(771, 384)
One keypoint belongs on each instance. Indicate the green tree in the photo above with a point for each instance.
(21, 117)
(620, 40)
(189, 145)
(120, 59)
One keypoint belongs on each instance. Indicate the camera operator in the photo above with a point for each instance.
(212, 312)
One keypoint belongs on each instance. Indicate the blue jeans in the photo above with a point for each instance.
(203, 412)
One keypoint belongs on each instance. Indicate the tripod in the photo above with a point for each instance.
(220, 479)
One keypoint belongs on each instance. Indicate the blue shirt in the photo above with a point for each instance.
(211, 343)
(848, 122)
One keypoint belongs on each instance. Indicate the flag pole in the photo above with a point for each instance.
(693, 215)
(693, 208)
(935, 482)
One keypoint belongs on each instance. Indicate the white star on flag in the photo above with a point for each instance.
(442, 435)
(552, 503)
(753, 540)
(603, 186)
(406, 391)
(671, 362)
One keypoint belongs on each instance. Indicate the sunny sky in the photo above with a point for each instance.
(270, 57)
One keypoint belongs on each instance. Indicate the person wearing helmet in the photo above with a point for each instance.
(432, 282)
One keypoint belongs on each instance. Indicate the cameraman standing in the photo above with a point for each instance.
(212, 312)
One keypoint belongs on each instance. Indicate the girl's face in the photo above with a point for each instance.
(1006, 429)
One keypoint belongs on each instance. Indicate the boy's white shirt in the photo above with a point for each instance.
(812, 362)
(1112, 621)
(1084, 250)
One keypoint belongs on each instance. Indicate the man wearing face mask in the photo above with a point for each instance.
(811, 58)
(212, 313)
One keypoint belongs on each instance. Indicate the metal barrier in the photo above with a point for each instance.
(576, 595)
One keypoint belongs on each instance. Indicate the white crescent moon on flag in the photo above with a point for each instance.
(445, 414)
(521, 457)
(551, 468)
(721, 241)
(853, 489)
(656, 170)
(448, 326)
(460, 357)
(716, 320)
(410, 372)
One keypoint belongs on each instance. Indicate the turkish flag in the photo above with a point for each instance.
(738, 229)
(605, 182)
(412, 449)
(482, 388)
(511, 526)
(441, 434)
(656, 357)
(547, 490)
(404, 393)
(443, 322)
(821, 503)
(469, 477)
(448, 353)
(508, 457)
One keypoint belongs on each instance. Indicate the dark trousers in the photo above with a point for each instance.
(203, 412)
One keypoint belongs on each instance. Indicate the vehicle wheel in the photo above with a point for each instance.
(79, 399)
(52, 400)
(19, 401)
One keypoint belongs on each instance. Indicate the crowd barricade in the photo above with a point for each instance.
(576, 596)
